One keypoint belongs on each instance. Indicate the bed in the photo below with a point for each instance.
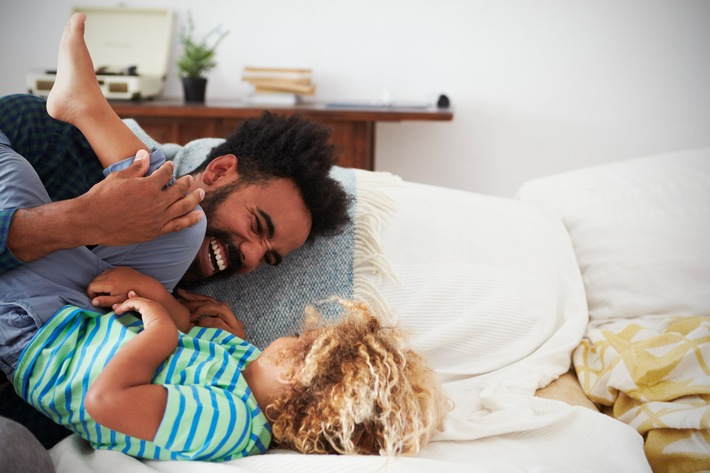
(503, 296)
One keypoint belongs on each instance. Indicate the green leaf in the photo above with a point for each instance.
(198, 56)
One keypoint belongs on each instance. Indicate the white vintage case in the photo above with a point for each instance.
(119, 38)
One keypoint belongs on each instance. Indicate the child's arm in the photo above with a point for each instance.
(122, 397)
(112, 287)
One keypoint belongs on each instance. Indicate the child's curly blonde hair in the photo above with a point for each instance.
(356, 390)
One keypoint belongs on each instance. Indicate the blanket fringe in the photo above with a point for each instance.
(372, 211)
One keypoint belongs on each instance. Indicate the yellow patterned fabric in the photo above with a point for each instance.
(653, 373)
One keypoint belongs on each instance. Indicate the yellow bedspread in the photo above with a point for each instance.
(653, 373)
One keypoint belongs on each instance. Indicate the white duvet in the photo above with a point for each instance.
(641, 233)
(490, 292)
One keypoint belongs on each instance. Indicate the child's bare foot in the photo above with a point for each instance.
(75, 92)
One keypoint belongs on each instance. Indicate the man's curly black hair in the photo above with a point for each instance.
(275, 146)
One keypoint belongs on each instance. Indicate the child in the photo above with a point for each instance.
(141, 387)
(354, 389)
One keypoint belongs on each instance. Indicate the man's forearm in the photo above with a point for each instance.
(124, 209)
(39, 231)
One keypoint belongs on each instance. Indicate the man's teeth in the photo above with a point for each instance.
(217, 252)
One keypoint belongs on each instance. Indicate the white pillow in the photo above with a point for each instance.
(641, 232)
(482, 282)
(490, 292)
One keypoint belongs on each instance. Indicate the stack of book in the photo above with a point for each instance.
(278, 86)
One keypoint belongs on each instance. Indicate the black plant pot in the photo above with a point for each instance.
(194, 88)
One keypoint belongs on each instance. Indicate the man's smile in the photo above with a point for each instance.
(213, 256)
(217, 251)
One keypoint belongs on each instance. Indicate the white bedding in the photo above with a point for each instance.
(641, 232)
(491, 293)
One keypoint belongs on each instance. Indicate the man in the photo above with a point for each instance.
(266, 191)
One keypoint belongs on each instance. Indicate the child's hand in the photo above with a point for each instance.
(111, 287)
(208, 312)
(150, 310)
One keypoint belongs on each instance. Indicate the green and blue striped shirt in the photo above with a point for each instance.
(211, 414)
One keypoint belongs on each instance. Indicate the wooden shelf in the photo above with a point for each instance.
(353, 128)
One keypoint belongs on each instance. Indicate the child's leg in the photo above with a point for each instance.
(76, 98)
(51, 146)
(165, 259)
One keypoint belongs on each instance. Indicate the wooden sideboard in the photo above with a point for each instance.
(353, 128)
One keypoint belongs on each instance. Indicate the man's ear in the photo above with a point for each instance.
(220, 170)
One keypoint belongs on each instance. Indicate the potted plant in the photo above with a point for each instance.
(198, 57)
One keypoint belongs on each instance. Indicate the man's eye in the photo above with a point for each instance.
(272, 258)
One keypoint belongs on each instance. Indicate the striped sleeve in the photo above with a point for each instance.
(193, 417)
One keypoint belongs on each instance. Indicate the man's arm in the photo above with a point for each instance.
(123, 209)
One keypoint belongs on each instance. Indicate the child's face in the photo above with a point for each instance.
(266, 375)
(278, 351)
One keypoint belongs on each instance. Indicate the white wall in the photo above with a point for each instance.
(538, 86)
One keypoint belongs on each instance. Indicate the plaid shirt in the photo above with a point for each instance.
(59, 153)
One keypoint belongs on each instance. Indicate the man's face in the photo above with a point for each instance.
(249, 224)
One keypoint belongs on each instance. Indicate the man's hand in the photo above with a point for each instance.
(125, 208)
(208, 312)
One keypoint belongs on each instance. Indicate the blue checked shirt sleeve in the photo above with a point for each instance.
(7, 259)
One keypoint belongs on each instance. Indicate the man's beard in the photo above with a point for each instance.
(194, 276)
(213, 199)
